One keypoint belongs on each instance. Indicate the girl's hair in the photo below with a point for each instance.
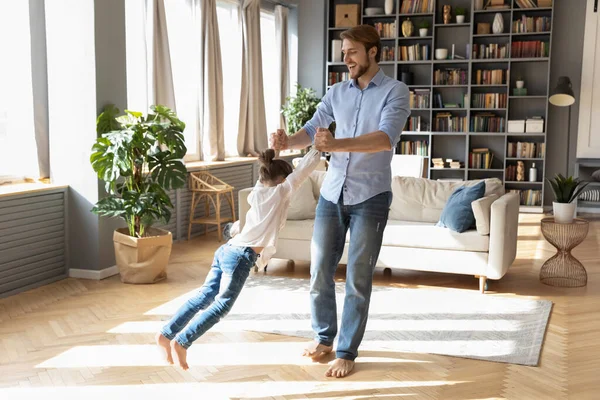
(271, 169)
(367, 35)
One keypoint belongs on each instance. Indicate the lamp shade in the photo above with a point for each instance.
(562, 95)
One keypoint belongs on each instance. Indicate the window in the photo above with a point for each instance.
(231, 56)
(270, 69)
(18, 149)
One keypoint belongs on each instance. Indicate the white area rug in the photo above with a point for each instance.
(455, 323)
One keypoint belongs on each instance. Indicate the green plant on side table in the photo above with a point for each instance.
(566, 191)
(139, 158)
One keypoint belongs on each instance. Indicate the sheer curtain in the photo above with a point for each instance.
(281, 33)
(253, 126)
(18, 146)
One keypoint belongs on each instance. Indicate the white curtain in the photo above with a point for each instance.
(252, 136)
(162, 77)
(211, 84)
(281, 29)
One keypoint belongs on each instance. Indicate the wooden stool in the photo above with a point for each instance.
(209, 187)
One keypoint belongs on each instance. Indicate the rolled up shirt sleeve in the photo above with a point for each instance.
(322, 118)
(395, 113)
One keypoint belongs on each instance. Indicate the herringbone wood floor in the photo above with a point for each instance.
(81, 338)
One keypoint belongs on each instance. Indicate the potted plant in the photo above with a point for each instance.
(300, 109)
(566, 190)
(460, 14)
(520, 83)
(139, 158)
(423, 28)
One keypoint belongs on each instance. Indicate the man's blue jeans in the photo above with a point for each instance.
(366, 222)
(230, 269)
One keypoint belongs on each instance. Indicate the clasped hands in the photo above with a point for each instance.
(324, 140)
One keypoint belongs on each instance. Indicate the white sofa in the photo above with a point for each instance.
(411, 240)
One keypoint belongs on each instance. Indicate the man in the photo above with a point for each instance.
(370, 111)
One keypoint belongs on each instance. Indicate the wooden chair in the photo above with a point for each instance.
(210, 188)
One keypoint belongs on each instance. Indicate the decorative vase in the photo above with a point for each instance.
(460, 19)
(520, 171)
(520, 84)
(564, 212)
(389, 6)
(407, 28)
(336, 50)
(447, 9)
(498, 25)
(423, 32)
(478, 5)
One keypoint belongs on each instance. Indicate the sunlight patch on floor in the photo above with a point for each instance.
(291, 325)
(225, 390)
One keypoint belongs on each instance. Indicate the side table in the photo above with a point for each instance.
(563, 269)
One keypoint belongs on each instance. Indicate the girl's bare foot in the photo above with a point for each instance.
(340, 368)
(316, 350)
(165, 344)
(180, 354)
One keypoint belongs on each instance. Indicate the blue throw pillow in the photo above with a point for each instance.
(457, 215)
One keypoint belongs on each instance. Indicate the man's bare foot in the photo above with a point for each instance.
(164, 343)
(316, 350)
(339, 368)
(180, 354)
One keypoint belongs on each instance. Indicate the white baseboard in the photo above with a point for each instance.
(96, 275)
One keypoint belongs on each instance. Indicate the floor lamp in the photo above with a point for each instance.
(563, 96)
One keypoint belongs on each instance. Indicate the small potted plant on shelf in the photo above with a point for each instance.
(460, 14)
(140, 158)
(566, 191)
(520, 82)
(423, 28)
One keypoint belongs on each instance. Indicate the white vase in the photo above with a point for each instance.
(564, 212)
(423, 32)
(460, 19)
(520, 84)
(389, 6)
(498, 25)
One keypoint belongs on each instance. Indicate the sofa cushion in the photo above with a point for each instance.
(302, 203)
(457, 214)
(317, 178)
(482, 210)
(298, 230)
(419, 199)
(426, 235)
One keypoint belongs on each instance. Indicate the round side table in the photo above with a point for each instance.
(563, 269)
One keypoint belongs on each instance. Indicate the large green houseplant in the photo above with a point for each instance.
(139, 158)
(300, 109)
(566, 190)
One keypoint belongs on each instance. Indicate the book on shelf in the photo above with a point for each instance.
(448, 163)
(446, 122)
(450, 76)
(481, 158)
(419, 98)
(418, 147)
(532, 24)
(386, 30)
(416, 6)
(415, 52)
(490, 51)
(530, 49)
(525, 150)
(529, 197)
(487, 122)
(489, 100)
(491, 77)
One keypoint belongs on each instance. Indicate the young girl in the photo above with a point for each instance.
(231, 266)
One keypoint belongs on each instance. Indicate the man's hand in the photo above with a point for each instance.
(324, 140)
(279, 140)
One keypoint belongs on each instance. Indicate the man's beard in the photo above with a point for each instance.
(361, 70)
